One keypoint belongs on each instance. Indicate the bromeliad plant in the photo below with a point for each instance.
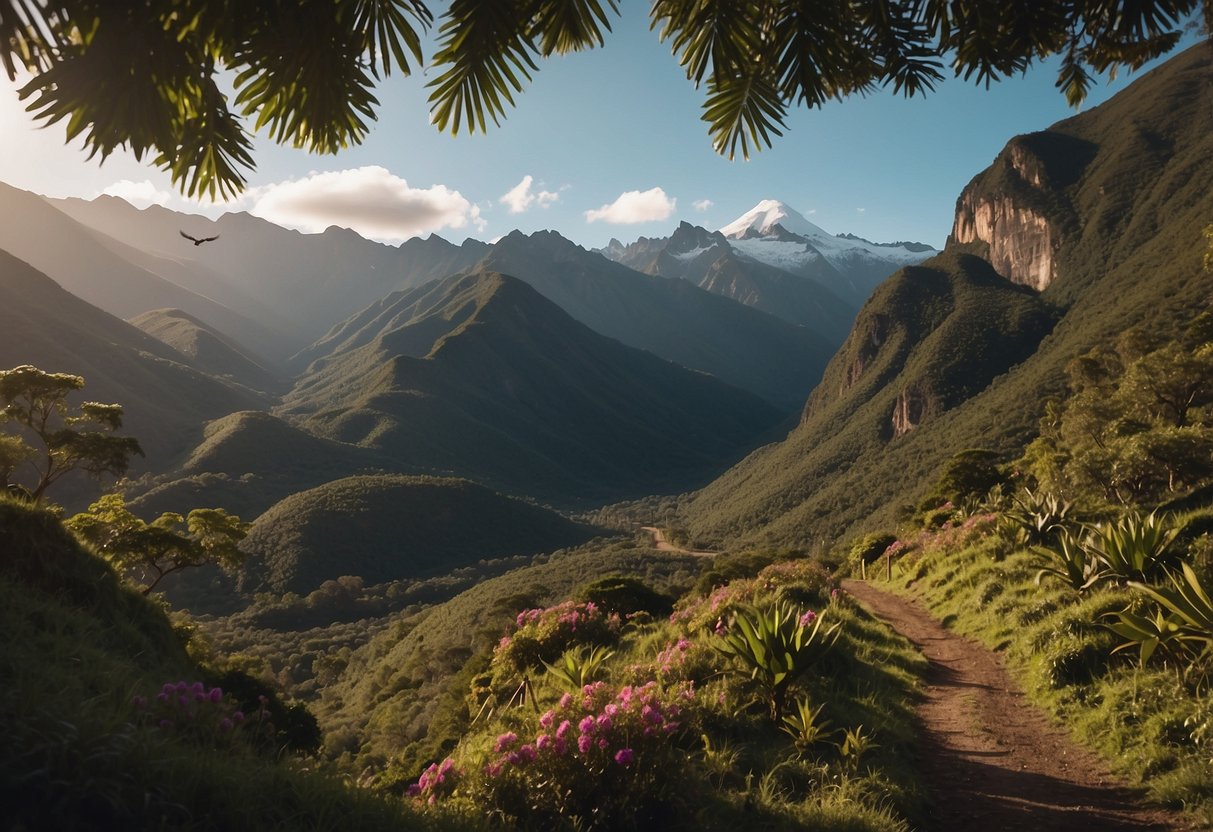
(774, 646)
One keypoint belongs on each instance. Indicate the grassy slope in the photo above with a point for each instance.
(78, 645)
(1131, 213)
(1055, 644)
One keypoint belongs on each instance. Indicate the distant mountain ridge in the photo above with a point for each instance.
(834, 268)
(482, 375)
(166, 401)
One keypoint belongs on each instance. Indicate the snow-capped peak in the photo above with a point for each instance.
(765, 216)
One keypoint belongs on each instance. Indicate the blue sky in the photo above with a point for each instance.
(614, 147)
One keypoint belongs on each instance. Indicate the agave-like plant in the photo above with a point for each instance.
(775, 645)
(1037, 516)
(1068, 559)
(1190, 607)
(1147, 632)
(579, 667)
(804, 726)
(1134, 548)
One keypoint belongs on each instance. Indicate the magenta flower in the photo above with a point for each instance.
(586, 725)
(563, 729)
(226, 724)
(565, 701)
(624, 756)
(547, 719)
(584, 743)
(504, 741)
(216, 694)
(808, 618)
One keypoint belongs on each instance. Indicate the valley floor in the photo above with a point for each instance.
(992, 760)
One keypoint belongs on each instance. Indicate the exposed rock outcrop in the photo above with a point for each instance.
(909, 410)
(1022, 241)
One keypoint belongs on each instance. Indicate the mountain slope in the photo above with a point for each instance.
(310, 281)
(1108, 207)
(206, 349)
(670, 318)
(385, 528)
(96, 269)
(483, 376)
(165, 401)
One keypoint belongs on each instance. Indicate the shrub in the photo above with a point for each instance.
(604, 757)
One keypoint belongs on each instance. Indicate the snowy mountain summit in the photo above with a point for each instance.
(760, 221)
(770, 231)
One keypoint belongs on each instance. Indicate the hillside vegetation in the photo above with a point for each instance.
(384, 528)
(1125, 190)
(94, 740)
(482, 376)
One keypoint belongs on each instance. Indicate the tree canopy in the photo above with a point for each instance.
(146, 75)
(159, 548)
(68, 438)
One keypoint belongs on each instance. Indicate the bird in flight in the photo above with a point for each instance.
(196, 241)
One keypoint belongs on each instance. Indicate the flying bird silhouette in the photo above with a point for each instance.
(198, 241)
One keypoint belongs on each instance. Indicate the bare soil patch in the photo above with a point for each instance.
(991, 760)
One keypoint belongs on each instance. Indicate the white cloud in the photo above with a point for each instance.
(140, 194)
(861, 210)
(702, 205)
(521, 197)
(635, 206)
(370, 200)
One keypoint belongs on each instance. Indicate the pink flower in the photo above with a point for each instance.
(586, 726)
(559, 746)
(216, 694)
(624, 756)
(226, 724)
(808, 618)
(584, 742)
(542, 741)
(565, 701)
(504, 741)
(547, 719)
(562, 730)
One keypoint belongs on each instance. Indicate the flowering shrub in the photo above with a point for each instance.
(803, 582)
(439, 780)
(200, 713)
(599, 757)
(949, 538)
(542, 635)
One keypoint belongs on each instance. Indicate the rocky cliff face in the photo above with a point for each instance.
(1022, 241)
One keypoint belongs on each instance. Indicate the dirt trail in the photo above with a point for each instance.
(662, 545)
(991, 760)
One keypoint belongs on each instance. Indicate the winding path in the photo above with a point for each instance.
(991, 760)
(662, 545)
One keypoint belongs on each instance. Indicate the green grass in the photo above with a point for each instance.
(78, 646)
(1057, 648)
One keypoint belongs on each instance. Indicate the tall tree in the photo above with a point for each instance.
(144, 75)
(68, 439)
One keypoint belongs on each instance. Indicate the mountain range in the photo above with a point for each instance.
(1072, 236)
(539, 369)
